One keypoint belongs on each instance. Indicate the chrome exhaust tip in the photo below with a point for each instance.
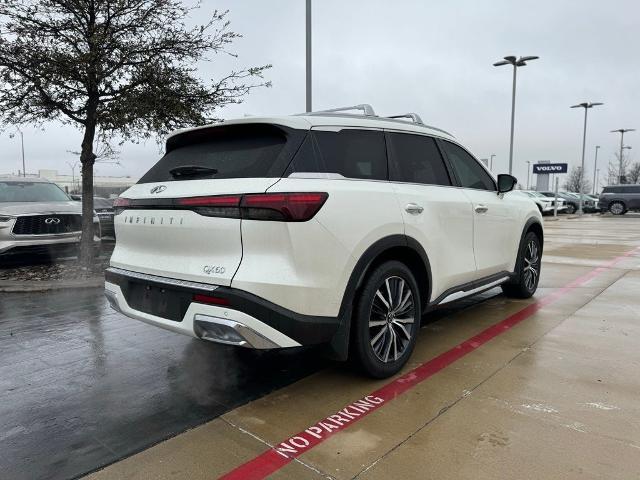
(229, 332)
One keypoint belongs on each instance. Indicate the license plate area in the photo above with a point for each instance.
(158, 301)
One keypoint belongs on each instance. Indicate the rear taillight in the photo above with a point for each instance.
(284, 207)
(213, 206)
(119, 204)
(280, 207)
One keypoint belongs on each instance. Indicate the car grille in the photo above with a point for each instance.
(47, 225)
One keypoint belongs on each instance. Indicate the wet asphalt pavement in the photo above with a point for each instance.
(82, 386)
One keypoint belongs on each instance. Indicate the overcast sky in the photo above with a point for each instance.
(430, 57)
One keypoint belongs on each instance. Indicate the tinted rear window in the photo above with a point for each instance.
(233, 151)
(416, 159)
(350, 153)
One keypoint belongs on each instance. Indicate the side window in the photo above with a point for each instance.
(468, 169)
(351, 153)
(415, 159)
(634, 189)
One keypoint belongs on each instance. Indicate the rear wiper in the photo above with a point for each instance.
(192, 171)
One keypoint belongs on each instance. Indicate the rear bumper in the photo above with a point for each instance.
(256, 322)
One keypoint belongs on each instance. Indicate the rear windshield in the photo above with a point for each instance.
(31, 192)
(231, 151)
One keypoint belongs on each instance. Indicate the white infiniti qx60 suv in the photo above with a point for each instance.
(324, 227)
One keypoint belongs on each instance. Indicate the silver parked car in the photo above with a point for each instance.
(38, 218)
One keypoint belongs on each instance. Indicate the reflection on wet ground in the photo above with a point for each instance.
(82, 386)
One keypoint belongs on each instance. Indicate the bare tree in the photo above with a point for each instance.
(120, 67)
(576, 182)
(613, 172)
(633, 176)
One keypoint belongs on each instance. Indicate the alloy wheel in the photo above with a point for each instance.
(391, 319)
(531, 265)
(616, 208)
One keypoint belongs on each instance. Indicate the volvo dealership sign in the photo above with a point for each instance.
(550, 168)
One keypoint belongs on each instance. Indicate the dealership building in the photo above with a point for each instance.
(103, 186)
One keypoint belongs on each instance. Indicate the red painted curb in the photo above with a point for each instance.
(275, 458)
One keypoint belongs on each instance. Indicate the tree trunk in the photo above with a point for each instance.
(87, 159)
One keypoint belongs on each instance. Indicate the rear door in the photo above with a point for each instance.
(182, 219)
(633, 197)
(495, 222)
(436, 214)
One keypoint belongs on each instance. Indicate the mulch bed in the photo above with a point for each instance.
(61, 270)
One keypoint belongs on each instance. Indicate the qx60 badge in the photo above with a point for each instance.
(158, 189)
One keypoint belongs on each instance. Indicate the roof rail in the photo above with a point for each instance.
(365, 107)
(415, 118)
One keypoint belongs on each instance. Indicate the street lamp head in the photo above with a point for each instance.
(528, 58)
(627, 147)
(500, 63)
(587, 104)
(623, 130)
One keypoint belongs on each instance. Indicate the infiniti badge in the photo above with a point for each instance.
(158, 189)
(52, 220)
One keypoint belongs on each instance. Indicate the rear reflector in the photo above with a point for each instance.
(198, 297)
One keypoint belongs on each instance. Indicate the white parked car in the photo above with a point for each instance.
(545, 204)
(326, 227)
(37, 218)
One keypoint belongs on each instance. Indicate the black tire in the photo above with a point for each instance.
(383, 335)
(571, 208)
(527, 269)
(617, 208)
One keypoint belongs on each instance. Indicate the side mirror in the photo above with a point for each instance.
(506, 182)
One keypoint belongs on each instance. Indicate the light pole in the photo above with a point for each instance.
(622, 132)
(491, 161)
(73, 173)
(595, 169)
(24, 172)
(308, 49)
(586, 106)
(528, 170)
(597, 178)
(516, 62)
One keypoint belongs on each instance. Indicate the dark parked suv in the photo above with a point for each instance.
(619, 199)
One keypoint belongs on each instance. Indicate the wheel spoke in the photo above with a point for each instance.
(382, 299)
(389, 295)
(402, 308)
(408, 320)
(377, 323)
(379, 335)
(402, 329)
(388, 349)
(399, 298)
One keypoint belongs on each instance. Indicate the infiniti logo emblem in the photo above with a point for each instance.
(52, 221)
(158, 189)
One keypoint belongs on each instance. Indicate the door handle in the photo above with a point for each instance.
(481, 208)
(413, 208)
